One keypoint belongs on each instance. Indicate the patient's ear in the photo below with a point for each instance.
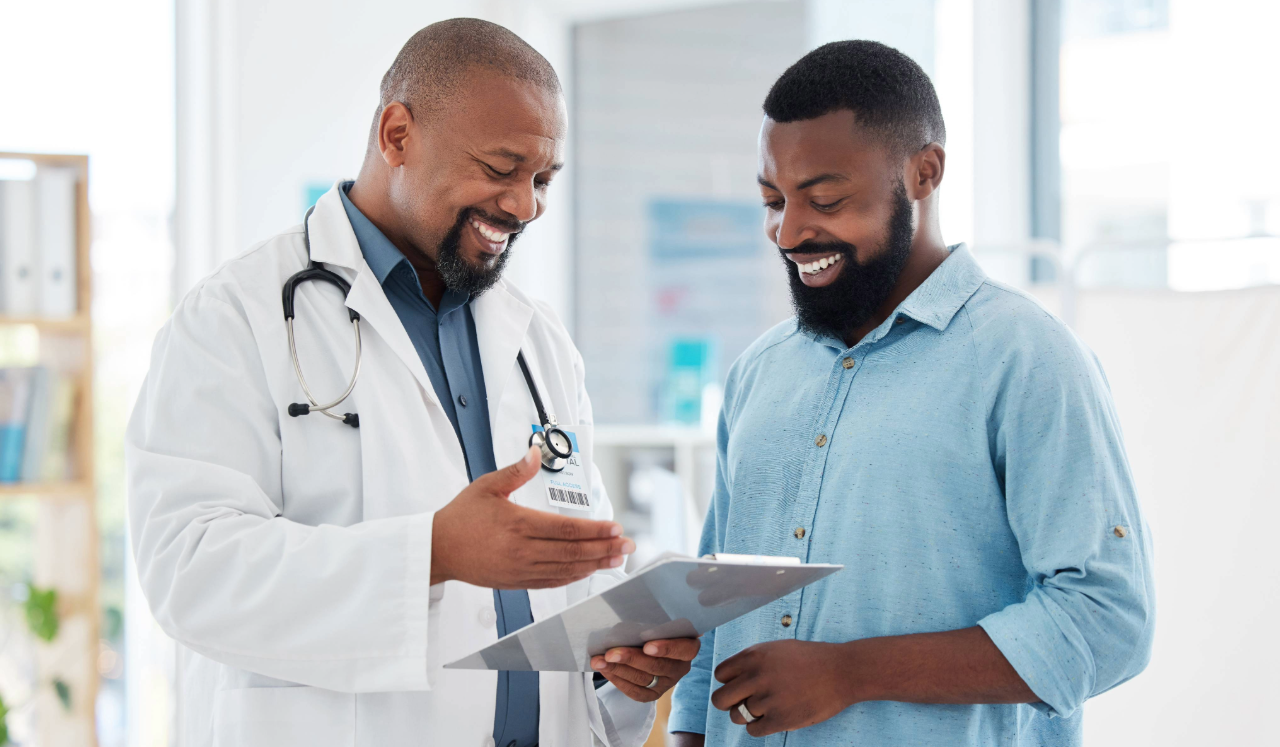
(924, 171)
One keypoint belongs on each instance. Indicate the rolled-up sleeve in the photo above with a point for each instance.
(1086, 623)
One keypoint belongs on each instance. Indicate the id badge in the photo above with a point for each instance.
(568, 488)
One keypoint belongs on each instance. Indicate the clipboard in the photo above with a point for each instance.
(674, 597)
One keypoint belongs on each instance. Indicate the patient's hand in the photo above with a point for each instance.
(631, 670)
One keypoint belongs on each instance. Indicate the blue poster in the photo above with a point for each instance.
(707, 262)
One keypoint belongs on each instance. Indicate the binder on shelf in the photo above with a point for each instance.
(18, 225)
(15, 389)
(36, 438)
(56, 233)
(57, 464)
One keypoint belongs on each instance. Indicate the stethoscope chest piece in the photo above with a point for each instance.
(555, 447)
(554, 444)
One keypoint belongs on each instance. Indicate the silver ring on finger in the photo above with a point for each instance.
(653, 684)
(746, 713)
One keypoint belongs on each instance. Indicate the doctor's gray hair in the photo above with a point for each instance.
(434, 64)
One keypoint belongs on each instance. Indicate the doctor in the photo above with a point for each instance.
(316, 575)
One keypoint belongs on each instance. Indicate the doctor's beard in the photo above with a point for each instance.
(862, 287)
(459, 274)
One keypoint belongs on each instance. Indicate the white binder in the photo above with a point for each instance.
(675, 597)
(17, 266)
(56, 228)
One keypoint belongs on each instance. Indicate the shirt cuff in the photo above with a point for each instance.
(627, 722)
(1046, 650)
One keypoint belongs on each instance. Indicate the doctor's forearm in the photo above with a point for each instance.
(957, 666)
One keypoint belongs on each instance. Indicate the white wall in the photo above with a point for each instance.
(274, 95)
(905, 25)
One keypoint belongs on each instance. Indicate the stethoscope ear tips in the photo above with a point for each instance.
(298, 408)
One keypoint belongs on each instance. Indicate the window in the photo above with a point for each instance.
(1161, 113)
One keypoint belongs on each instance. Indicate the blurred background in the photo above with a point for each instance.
(1111, 157)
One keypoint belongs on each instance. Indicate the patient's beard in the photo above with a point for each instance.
(861, 288)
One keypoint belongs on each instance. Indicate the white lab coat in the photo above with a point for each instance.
(290, 557)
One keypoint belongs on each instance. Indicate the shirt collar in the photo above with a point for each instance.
(379, 252)
(946, 289)
(934, 302)
(383, 257)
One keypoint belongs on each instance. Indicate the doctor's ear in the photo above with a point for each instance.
(393, 129)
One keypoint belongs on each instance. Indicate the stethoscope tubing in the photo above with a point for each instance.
(554, 459)
(297, 368)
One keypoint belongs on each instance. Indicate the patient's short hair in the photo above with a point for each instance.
(886, 90)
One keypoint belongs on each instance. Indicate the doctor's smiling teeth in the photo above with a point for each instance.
(491, 234)
(817, 266)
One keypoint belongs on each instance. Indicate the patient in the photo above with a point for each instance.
(941, 435)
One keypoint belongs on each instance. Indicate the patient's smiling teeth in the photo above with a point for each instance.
(813, 268)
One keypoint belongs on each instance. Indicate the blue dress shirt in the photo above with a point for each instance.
(964, 462)
(445, 339)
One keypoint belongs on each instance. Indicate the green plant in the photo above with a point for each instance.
(41, 610)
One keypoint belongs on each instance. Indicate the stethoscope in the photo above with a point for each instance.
(554, 444)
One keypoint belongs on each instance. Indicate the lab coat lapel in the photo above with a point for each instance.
(501, 323)
(334, 243)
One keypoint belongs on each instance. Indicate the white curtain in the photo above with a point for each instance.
(1196, 380)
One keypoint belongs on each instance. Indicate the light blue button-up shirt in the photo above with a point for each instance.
(964, 462)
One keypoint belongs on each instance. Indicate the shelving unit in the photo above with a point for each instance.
(66, 543)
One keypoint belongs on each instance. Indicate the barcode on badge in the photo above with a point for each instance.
(568, 498)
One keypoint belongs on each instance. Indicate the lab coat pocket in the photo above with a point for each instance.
(284, 716)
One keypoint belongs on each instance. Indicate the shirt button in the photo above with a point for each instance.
(821, 440)
(799, 533)
(848, 363)
(488, 618)
(462, 400)
(1120, 531)
(786, 621)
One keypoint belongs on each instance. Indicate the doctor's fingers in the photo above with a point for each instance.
(553, 575)
(554, 552)
(503, 482)
(546, 525)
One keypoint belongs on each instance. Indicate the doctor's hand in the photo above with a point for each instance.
(660, 663)
(484, 539)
